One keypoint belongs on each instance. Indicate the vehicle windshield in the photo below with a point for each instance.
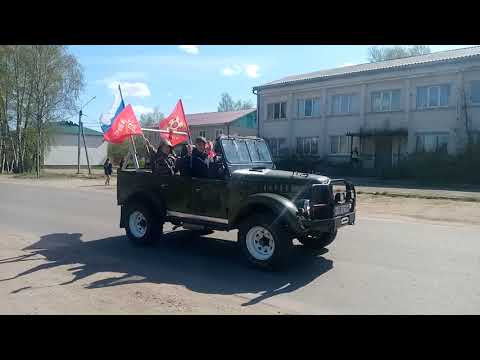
(246, 151)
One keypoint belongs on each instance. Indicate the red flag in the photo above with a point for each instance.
(124, 125)
(175, 126)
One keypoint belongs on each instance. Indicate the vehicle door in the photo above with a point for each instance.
(209, 197)
(175, 190)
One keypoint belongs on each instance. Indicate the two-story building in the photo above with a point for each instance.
(386, 110)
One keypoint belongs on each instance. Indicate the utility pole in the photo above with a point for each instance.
(85, 145)
(80, 130)
(78, 142)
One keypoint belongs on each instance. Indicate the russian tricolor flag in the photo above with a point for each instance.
(121, 126)
(106, 122)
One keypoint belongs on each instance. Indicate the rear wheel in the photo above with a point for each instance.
(142, 227)
(264, 242)
(319, 241)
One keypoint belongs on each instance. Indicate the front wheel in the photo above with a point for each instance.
(142, 227)
(264, 242)
(318, 242)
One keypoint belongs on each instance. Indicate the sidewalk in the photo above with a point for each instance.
(401, 188)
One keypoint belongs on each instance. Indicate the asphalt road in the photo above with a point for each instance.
(387, 266)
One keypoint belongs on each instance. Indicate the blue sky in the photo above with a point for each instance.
(160, 75)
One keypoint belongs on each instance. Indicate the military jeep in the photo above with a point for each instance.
(269, 207)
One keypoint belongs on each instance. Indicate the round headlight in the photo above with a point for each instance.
(304, 206)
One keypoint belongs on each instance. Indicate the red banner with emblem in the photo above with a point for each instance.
(124, 125)
(175, 127)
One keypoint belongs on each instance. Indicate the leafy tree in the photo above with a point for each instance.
(227, 104)
(151, 119)
(39, 84)
(376, 53)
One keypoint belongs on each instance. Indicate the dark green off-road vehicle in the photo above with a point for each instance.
(269, 207)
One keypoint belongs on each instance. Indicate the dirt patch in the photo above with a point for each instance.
(419, 209)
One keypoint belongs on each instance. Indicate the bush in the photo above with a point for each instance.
(440, 167)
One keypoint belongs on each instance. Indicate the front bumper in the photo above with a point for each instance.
(328, 225)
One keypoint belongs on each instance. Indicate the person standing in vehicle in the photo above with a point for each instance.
(162, 161)
(107, 169)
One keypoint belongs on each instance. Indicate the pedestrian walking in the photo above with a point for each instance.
(108, 169)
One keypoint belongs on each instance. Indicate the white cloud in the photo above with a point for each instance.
(190, 49)
(140, 109)
(248, 70)
(232, 70)
(123, 76)
(252, 70)
(138, 89)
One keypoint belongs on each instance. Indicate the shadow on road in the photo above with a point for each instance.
(205, 265)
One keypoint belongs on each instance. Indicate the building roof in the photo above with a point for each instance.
(396, 64)
(216, 118)
(68, 127)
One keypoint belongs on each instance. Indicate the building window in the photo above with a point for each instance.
(277, 146)
(340, 144)
(432, 143)
(202, 133)
(433, 96)
(343, 104)
(218, 132)
(307, 145)
(388, 100)
(308, 107)
(475, 92)
(277, 111)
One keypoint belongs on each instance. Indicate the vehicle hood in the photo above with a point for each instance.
(278, 176)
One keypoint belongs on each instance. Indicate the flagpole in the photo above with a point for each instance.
(189, 135)
(132, 142)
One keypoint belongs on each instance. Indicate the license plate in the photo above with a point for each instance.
(342, 209)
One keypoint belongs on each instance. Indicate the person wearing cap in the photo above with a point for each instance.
(162, 161)
(200, 160)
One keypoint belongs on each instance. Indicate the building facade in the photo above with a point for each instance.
(212, 125)
(63, 150)
(385, 111)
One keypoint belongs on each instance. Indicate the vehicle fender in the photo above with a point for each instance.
(149, 198)
(284, 208)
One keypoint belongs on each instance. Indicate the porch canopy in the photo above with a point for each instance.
(380, 132)
(363, 133)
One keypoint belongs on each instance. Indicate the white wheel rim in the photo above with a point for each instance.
(138, 224)
(260, 243)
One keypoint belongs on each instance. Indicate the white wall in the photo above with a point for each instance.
(63, 150)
